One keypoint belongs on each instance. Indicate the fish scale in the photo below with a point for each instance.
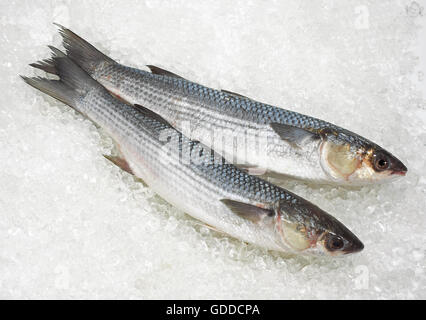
(148, 87)
(129, 123)
(190, 175)
(179, 100)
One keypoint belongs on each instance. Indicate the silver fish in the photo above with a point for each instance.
(261, 138)
(195, 179)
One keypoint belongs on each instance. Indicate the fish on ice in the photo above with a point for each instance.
(260, 138)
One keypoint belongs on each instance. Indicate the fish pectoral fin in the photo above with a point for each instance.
(249, 212)
(252, 169)
(120, 162)
(157, 70)
(234, 94)
(293, 135)
(151, 114)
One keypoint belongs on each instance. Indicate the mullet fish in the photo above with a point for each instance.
(194, 178)
(257, 137)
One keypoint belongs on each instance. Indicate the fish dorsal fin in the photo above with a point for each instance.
(234, 94)
(249, 212)
(151, 114)
(157, 70)
(293, 135)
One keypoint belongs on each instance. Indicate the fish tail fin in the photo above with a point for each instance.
(82, 52)
(47, 65)
(73, 83)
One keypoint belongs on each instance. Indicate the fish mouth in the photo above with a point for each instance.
(399, 173)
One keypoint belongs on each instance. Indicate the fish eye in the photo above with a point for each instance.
(381, 162)
(334, 243)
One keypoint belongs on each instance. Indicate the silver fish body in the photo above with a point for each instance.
(246, 132)
(195, 179)
(233, 126)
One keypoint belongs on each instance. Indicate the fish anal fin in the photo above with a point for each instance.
(120, 162)
(253, 213)
(234, 94)
(293, 135)
(157, 70)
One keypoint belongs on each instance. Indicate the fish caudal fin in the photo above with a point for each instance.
(54, 88)
(82, 52)
(73, 83)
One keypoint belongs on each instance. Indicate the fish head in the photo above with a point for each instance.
(348, 159)
(305, 228)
